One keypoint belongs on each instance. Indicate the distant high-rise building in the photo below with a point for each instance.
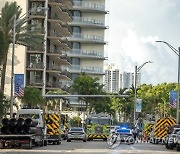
(115, 80)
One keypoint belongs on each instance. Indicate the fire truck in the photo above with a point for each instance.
(52, 121)
(160, 129)
(98, 126)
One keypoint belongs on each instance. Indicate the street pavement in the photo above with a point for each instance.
(93, 147)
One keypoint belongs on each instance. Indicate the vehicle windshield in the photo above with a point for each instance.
(33, 116)
(101, 121)
(76, 129)
(126, 125)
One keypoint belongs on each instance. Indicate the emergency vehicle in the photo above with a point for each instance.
(160, 129)
(148, 127)
(52, 121)
(98, 126)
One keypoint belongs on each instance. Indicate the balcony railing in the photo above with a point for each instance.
(34, 65)
(88, 5)
(84, 53)
(88, 37)
(54, 67)
(57, 85)
(89, 21)
(86, 69)
(34, 82)
(54, 51)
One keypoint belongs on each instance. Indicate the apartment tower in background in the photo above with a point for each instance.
(116, 80)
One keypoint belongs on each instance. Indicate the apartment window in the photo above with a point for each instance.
(36, 4)
(76, 14)
(74, 76)
(35, 58)
(38, 23)
(35, 77)
(76, 30)
(76, 45)
(75, 61)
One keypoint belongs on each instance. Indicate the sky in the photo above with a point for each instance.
(134, 26)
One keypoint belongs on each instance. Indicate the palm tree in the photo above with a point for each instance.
(24, 34)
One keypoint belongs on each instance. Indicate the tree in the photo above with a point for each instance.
(86, 85)
(76, 121)
(33, 97)
(2, 46)
(25, 35)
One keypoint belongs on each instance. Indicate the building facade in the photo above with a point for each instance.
(74, 32)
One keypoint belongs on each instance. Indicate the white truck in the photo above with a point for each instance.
(26, 130)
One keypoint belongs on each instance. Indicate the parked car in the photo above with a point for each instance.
(76, 133)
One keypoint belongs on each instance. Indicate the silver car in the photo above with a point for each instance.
(76, 133)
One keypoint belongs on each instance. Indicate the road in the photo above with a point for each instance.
(93, 147)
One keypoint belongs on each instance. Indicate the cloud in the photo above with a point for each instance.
(134, 28)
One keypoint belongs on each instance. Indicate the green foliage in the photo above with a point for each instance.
(33, 97)
(76, 121)
(2, 46)
(156, 99)
(86, 85)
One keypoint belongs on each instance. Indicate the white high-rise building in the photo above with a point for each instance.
(115, 80)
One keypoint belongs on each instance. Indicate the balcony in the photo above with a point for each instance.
(85, 38)
(86, 69)
(34, 83)
(66, 3)
(36, 14)
(86, 54)
(34, 66)
(34, 50)
(53, 69)
(89, 7)
(87, 22)
(56, 85)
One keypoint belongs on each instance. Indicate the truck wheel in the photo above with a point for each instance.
(68, 140)
(2, 145)
(178, 147)
(42, 143)
(167, 146)
(58, 142)
(45, 142)
(30, 144)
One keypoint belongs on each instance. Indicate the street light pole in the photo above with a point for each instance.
(45, 50)
(177, 52)
(177, 114)
(137, 69)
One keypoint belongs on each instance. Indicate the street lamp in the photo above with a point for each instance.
(15, 22)
(137, 69)
(177, 52)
